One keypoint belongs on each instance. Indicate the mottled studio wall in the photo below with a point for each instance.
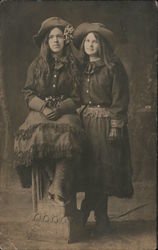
(134, 25)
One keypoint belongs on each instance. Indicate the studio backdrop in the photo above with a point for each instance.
(134, 26)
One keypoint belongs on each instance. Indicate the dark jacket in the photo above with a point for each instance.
(104, 87)
(61, 82)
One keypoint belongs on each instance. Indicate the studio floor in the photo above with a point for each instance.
(133, 223)
(135, 235)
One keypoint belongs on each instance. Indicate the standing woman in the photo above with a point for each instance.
(51, 135)
(105, 97)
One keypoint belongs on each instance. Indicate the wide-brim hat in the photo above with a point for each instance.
(46, 26)
(83, 29)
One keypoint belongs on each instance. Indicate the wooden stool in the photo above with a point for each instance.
(50, 221)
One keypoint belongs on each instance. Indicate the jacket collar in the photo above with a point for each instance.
(91, 67)
(60, 62)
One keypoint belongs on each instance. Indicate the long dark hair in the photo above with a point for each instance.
(106, 52)
(45, 60)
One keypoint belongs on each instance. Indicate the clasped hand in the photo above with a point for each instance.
(51, 114)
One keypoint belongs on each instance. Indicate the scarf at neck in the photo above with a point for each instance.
(59, 62)
(92, 66)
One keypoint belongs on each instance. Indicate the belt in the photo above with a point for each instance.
(101, 105)
(96, 110)
(53, 101)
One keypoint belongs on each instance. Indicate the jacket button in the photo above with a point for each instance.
(88, 80)
(55, 76)
(87, 91)
(54, 86)
(90, 102)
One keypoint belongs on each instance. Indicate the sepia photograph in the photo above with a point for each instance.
(78, 113)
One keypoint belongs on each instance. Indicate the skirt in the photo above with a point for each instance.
(41, 140)
(108, 164)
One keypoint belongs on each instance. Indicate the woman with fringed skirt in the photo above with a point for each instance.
(51, 135)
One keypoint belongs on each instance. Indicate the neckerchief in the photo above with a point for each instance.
(91, 67)
(60, 62)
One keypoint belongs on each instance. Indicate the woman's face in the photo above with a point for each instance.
(56, 40)
(91, 45)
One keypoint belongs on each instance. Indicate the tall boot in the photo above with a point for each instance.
(101, 215)
(56, 189)
(85, 209)
(87, 205)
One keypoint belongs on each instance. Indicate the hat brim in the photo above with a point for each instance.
(83, 29)
(46, 26)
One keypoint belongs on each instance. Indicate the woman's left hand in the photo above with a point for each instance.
(114, 134)
(56, 114)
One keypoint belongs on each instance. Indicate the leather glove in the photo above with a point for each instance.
(52, 114)
(56, 114)
(48, 113)
(67, 106)
(37, 104)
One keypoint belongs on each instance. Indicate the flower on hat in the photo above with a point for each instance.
(68, 33)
